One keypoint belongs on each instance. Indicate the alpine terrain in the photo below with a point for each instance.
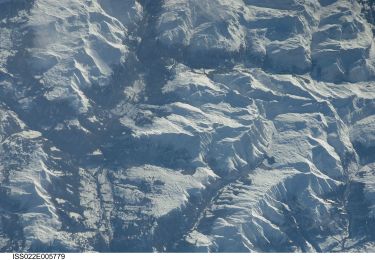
(187, 125)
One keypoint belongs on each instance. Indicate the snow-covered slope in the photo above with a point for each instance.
(186, 125)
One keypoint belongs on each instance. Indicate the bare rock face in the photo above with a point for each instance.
(186, 125)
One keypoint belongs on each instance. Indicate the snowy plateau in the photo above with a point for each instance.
(187, 125)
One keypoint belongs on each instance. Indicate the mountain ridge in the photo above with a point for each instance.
(186, 125)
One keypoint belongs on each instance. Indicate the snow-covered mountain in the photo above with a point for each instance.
(187, 125)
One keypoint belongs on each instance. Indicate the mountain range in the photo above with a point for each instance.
(187, 126)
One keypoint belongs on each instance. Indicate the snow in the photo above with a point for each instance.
(363, 131)
(186, 125)
(173, 193)
(66, 41)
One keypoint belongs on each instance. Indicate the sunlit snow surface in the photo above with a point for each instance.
(187, 125)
